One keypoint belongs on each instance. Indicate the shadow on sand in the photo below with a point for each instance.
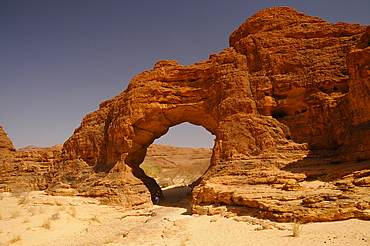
(177, 197)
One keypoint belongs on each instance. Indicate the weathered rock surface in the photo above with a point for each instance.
(27, 170)
(6, 144)
(287, 103)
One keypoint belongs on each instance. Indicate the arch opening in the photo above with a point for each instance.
(182, 155)
(187, 135)
(179, 157)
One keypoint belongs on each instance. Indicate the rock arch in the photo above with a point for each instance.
(148, 131)
(261, 98)
(214, 94)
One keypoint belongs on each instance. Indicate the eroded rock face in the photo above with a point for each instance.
(287, 103)
(5, 142)
(298, 73)
(27, 170)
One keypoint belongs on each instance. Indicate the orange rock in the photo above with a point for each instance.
(27, 170)
(5, 142)
(286, 105)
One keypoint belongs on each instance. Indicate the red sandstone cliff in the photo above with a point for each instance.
(287, 103)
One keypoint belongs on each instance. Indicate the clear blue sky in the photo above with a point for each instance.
(60, 59)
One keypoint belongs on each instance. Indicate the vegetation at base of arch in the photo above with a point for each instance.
(151, 170)
(177, 176)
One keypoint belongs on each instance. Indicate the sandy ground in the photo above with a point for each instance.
(37, 219)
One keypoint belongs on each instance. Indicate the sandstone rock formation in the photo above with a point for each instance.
(6, 144)
(25, 170)
(28, 170)
(287, 103)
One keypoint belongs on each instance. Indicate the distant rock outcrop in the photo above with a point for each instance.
(288, 104)
(175, 166)
(37, 148)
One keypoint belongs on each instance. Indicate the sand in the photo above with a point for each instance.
(37, 219)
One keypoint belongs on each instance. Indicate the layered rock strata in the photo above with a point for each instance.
(287, 104)
(27, 170)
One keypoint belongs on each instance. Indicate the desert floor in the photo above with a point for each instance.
(38, 219)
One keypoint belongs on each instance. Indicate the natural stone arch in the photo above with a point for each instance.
(262, 97)
(149, 130)
(215, 94)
